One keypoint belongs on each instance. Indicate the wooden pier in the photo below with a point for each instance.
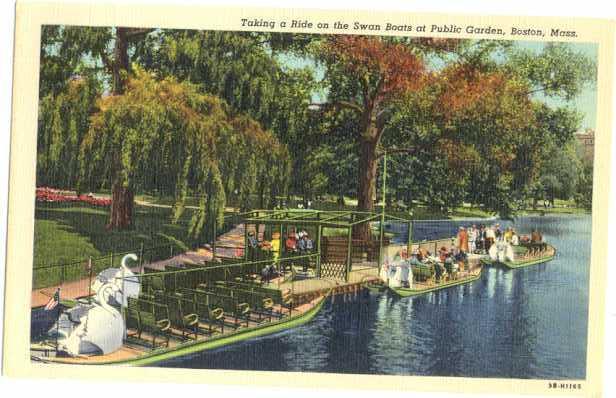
(309, 288)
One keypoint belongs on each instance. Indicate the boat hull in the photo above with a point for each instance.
(162, 354)
(524, 263)
(408, 292)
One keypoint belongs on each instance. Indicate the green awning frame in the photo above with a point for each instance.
(326, 218)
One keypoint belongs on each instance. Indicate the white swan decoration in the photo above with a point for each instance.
(99, 328)
(123, 278)
(501, 251)
(384, 272)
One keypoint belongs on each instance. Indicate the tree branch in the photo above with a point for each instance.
(410, 151)
(132, 33)
(341, 104)
(106, 60)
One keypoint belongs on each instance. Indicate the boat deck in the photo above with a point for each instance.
(359, 275)
(430, 285)
(523, 258)
(140, 351)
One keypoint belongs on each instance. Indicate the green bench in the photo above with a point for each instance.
(261, 303)
(208, 314)
(148, 316)
(284, 299)
(422, 272)
(238, 309)
(182, 313)
(217, 300)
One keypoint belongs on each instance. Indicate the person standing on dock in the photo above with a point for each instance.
(481, 239)
(463, 240)
(472, 238)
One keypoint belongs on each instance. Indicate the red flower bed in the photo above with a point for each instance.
(46, 194)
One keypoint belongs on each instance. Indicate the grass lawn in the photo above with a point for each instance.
(66, 234)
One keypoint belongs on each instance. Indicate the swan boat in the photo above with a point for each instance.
(405, 281)
(520, 256)
(123, 320)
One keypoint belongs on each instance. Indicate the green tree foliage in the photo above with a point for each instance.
(167, 136)
(63, 120)
(557, 71)
(472, 128)
(559, 173)
(244, 69)
(584, 189)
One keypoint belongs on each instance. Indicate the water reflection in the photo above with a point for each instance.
(524, 323)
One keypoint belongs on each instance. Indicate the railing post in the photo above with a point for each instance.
(349, 258)
(111, 262)
(246, 242)
(319, 232)
(141, 257)
(409, 240)
(214, 239)
(90, 279)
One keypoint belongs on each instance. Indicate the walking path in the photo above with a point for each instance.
(229, 245)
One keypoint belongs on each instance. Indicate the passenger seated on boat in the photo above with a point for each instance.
(515, 240)
(439, 272)
(443, 253)
(253, 246)
(461, 259)
(537, 244)
(508, 234)
(448, 263)
(420, 269)
(291, 244)
(267, 273)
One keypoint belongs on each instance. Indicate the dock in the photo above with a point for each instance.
(306, 289)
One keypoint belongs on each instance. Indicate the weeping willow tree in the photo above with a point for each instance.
(62, 123)
(165, 135)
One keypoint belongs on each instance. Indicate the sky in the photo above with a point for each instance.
(585, 102)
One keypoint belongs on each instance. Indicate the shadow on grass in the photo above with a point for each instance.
(68, 234)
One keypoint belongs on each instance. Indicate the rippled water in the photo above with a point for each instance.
(524, 323)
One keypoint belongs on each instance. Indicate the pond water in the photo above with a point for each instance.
(524, 323)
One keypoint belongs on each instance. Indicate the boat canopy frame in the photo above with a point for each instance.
(341, 219)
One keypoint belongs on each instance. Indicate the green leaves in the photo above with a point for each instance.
(63, 122)
(557, 71)
(167, 136)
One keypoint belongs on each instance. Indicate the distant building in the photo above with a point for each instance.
(587, 141)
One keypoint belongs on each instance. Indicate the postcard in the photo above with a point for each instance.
(362, 200)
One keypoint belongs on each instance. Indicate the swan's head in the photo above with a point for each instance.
(130, 256)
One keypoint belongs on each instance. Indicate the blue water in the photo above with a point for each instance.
(524, 323)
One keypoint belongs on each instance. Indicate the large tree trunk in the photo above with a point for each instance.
(120, 61)
(366, 188)
(121, 213)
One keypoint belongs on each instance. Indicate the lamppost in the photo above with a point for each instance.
(382, 222)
